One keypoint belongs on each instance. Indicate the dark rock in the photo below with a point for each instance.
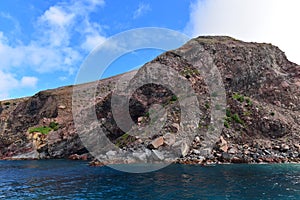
(226, 156)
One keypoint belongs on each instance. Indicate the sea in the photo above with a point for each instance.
(65, 179)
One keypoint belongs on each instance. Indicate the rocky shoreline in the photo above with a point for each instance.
(259, 152)
(225, 153)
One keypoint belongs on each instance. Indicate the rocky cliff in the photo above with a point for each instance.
(260, 104)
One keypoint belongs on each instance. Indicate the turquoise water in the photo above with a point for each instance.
(62, 179)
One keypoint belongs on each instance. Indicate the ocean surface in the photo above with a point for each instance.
(63, 179)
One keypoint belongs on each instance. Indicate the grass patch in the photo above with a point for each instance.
(43, 129)
(226, 124)
(248, 101)
(207, 106)
(228, 113)
(174, 98)
(237, 119)
(241, 98)
(147, 114)
(54, 126)
(232, 118)
(188, 72)
(247, 113)
(124, 139)
(238, 97)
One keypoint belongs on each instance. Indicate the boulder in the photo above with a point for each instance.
(156, 143)
(222, 145)
(184, 149)
(284, 147)
(196, 151)
(169, 139)
(157, 155)
(74, 157)
(140, 119)
(197, 139)
(62, 107)
(176, 126)
(142, 156)
(233, 150)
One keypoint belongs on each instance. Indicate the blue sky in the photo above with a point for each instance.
(43, 43)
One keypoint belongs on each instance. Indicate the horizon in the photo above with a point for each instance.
(43, 44)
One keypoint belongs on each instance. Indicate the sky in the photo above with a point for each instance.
(44, 43)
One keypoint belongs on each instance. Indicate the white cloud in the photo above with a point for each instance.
(64, 33)
(57, 16)
(92, 41)
(28, 81)
(9, 82)
(272, 21)
(55, 48)
(141, 10)
(92, 35)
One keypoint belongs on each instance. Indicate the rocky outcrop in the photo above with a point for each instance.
(261, 120)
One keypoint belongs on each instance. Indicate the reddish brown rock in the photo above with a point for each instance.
(156, 143)
(222, 144)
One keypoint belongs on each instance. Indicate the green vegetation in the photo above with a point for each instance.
(228, 113)
(207, 106)
(272, 113)
(232, 118)
(238, 97)
(54, 126)
(188, 72)
(237, 119)
(200, 125)
(124, 139)
(247, 113)
(226, 124)
(174, 98)
(241, 98)
(44, 129)
(147, 114)
(248, 101)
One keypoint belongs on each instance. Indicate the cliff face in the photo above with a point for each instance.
(261, 121)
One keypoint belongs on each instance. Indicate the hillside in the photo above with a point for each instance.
(255, 93)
